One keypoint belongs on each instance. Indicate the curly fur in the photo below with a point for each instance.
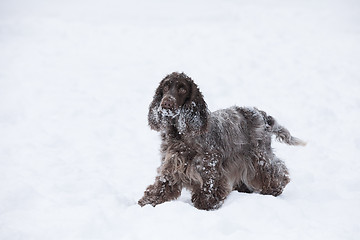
(212, 153)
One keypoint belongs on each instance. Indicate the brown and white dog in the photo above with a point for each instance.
(212, 153)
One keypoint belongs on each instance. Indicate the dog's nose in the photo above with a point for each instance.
(167, 103)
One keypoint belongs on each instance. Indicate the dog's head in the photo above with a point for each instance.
(178, 102)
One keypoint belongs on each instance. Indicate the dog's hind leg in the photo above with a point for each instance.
(271, 177)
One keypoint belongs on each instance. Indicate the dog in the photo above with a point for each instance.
(212, 153)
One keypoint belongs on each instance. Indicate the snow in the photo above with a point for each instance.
(76, 80)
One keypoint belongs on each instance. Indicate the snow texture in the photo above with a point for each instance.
(76, 80)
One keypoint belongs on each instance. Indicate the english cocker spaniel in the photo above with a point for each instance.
(212, 153)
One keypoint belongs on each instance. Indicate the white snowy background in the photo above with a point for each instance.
(76, 80)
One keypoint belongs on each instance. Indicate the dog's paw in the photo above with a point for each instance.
(147, 200)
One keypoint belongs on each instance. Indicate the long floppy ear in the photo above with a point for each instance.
(194, 117)
(154, 117)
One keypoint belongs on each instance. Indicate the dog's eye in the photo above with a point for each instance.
(182, 90)
(166, 88)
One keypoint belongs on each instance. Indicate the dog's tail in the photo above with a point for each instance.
(281, 133)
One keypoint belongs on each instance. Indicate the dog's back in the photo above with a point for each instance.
(242, 135)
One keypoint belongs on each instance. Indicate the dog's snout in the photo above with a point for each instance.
(168, 103)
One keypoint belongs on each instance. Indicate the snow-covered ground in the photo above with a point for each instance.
(76, 79)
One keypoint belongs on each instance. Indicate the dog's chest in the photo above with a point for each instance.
(179, 166)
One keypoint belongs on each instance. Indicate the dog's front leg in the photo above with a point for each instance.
(214, 189)
(162, 190)
(211, 194)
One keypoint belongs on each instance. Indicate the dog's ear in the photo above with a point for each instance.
(194, 115)
(154, 117)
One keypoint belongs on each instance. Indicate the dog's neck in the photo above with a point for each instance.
(172, 130)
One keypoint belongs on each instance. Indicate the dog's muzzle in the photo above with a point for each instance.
(168, 102)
